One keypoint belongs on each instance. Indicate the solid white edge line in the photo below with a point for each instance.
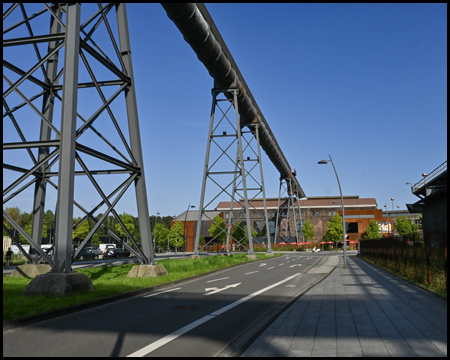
(218, 279)
(161, 292)
(168, 338)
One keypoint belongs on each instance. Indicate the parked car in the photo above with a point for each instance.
(117, 252)
(94, 249)
(122, 252)
(85, 254)
(110, 252)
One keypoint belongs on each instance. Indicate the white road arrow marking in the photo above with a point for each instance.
(216, 290)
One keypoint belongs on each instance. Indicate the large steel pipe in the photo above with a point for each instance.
(204, 38)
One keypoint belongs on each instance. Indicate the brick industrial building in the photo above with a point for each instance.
(318, 209)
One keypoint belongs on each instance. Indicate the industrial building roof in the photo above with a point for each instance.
(311, 202)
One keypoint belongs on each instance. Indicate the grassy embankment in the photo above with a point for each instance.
(107, 281)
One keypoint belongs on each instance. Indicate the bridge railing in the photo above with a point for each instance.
(434, 174)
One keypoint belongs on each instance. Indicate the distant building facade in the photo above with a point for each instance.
(318, 209)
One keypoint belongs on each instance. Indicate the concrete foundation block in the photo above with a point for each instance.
(57, 284)
(30, 270)
(147, 271)
(270, 254)
(252, 257)
(195, 257)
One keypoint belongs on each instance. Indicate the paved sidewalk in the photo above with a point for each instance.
(358, 311)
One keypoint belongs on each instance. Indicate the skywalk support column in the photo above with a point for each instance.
(62, 280)
(47, 111)
(64, 216)
(135, 139)
(214, 135)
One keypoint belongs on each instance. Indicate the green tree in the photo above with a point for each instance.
(16, 215)
(95, 241)
(405, 226)
(127, 220)
(335, 232)
(27, 229)
(372, 231)
(217, 230)
(176, 235)
(240, 234)
(308, 230)
(81, 231)
(160, 233)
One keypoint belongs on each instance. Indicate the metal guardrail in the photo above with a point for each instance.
(434, 174)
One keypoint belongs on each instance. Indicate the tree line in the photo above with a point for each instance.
(163, 233)
(165, 236)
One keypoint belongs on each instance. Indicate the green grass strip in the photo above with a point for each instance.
(107, 281)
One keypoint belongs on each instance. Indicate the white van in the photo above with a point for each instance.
(103, 247)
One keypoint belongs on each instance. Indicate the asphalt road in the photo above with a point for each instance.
(200, 317)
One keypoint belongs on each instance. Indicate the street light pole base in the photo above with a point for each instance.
(195, 257)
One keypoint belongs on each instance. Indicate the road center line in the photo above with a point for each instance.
(270, 268)
(219, 279)
(252, 272)
(161, 292)
(166, 339)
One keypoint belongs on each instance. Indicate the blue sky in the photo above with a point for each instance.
(365, 83)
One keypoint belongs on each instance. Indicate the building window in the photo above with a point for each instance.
(272, 227)
(352, 227)
(317, 214)
(329, 213)
(299, 225)
(257, 226)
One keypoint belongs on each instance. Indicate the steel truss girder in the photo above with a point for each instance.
(239, 172)
(287, 212)
(66, 148)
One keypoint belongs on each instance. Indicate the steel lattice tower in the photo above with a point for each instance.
(67, 73)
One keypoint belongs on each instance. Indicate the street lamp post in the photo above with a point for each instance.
(343, 212)
(175, 228)
(337, 243)
(392, 199)
(184, 229)
(154, 237)
(408, 183)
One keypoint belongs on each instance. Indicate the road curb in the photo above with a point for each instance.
(28, 320)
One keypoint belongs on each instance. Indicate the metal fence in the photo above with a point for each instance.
(421, 259)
